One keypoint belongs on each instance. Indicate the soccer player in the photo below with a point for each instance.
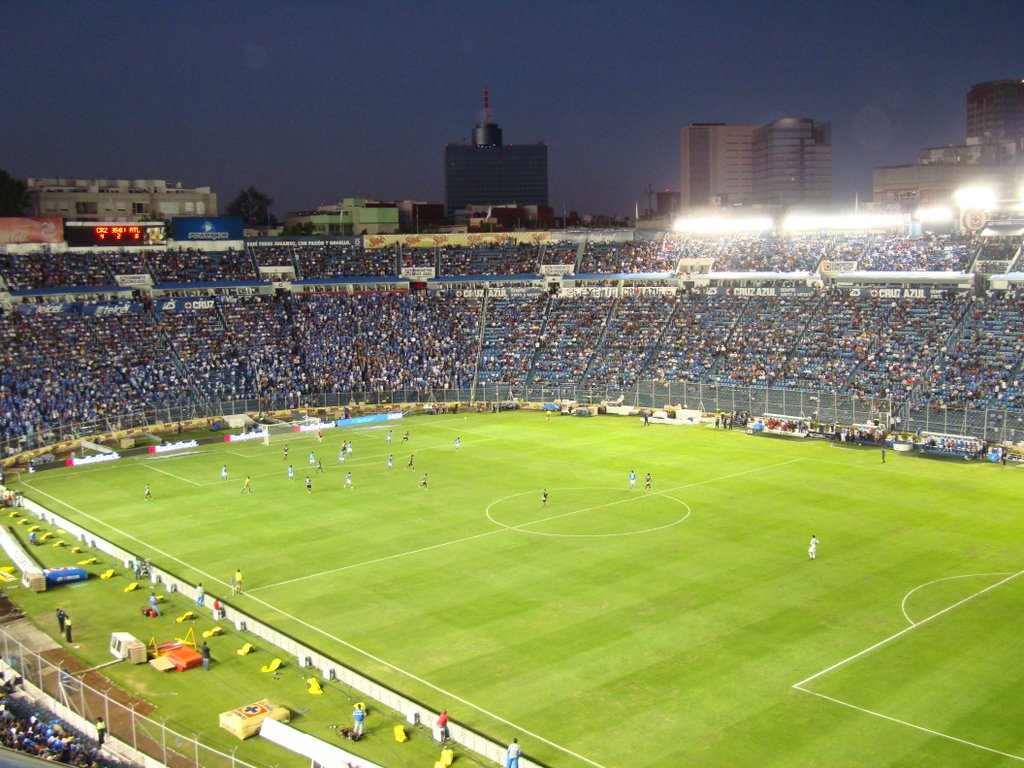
(224, 472)
(812, 550)
(391, 460)
(319, 465)
(647, 482)
(309, 485)
(291, 472)
(412, 461)
(312, 458)
(147, 494)
(405, 437)
(341, 454)
(247, 485)
(320, 435)
(238, 580)
(348, 447)
(544, 497)
(632, 479)
(458, 443)
(348, 480)
(285, 456)
(423, 482)
(388, 438)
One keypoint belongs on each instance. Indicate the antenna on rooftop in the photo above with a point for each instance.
(488, 114)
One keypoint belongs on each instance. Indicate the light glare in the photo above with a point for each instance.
(975, 197)
(721, 225)
(848, 222)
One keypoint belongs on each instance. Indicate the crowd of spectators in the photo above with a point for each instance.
(344, 259)
(512, 328)
(633, 331)
(193, 265)
(259, 331)
(910, 340)
(837, 339)
(23, 271)
(899, 253)
(982, 367)
(46, 737)
(754, 252)
(634, 256)
(73, 368)
(571, 334)
(198, 340)
(376, 342)
(272, 255)
(762, 339)
(508, 259)
(560, 252)
(695, 335)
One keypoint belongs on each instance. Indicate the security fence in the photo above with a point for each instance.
(132, 737)
(993, 425)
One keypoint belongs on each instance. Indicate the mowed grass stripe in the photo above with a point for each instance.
(688, 637)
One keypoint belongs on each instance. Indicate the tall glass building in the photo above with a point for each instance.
(488, 172)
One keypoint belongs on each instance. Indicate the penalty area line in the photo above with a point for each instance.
(904, 631)
(915, 726)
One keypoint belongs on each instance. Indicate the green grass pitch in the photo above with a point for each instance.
(611, 627)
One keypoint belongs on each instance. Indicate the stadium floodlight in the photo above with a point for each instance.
(722, 225)
(934, 215)
(975, 197)
(846, 222)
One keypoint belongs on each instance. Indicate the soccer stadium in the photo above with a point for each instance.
(622, 498)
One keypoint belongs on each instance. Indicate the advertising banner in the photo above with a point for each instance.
(891, 293)
(418, 273)
(299, 242)
(440, 240)
(206, 228)
(129, 281)
(556, 269)
(838, 266)
(761, 290)
(31, 229)
(183, 305)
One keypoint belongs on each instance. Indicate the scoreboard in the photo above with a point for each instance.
(80, 234)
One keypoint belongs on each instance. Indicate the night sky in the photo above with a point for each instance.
(312, 102)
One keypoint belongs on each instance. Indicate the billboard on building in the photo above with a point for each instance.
(31, 229)
(201, 229)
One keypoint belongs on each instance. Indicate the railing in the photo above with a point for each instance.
(994, 425)
(132, 737)
(306, 655)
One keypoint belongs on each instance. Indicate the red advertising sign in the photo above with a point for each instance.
(31, 230)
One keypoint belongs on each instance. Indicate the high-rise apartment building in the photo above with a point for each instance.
(792, 162)
(488, 172)
(995, 111)
(716, 165)
(785, 163)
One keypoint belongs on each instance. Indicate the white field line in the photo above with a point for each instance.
(170, 474)
(902, 632)
(903, 605)
(508, 528)
(447, 694)
(916, 727)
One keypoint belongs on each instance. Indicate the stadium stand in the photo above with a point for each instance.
(86, 363)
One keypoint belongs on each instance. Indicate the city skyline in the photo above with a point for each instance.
(317, 101)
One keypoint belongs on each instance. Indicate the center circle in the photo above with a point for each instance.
(587, 512)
